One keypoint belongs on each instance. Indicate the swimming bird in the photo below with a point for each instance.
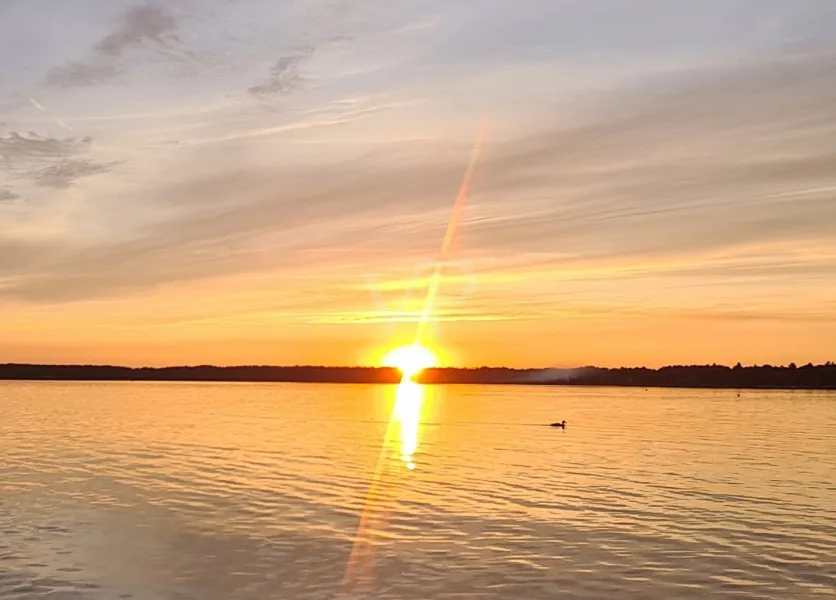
(562, 424)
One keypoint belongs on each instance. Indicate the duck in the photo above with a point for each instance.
(562, 425)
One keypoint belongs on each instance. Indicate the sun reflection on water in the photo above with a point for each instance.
(409, 401)
(399, 450)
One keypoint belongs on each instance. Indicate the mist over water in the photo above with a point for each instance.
(553, 375)
(248, 491)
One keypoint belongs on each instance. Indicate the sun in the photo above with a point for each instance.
(410, 360)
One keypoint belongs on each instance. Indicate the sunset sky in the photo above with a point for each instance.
(268, 182)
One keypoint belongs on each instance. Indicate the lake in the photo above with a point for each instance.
(288, 491)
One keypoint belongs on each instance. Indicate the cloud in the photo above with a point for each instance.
(149, 22)
(254, 229)
(7, 195)
(48, 161)
(662, 181)
(284, 76)
(16, 147)
(82, 74)
(66, 172)
(715, 159)
(691, 180)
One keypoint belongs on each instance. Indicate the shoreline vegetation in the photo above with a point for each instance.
(811, 377)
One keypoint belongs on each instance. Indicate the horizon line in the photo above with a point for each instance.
(790, 365)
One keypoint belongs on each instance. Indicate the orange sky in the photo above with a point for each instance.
(231, 189)
(272, 323)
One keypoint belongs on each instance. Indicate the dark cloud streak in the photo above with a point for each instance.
(49, 161)
(284, 77)
(63, 174)
(141, 23)
(149, 22)
(24, 147)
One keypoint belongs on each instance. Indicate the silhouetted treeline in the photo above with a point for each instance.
(697, 376)
(303, 374)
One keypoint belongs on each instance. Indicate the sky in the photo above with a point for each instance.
(269, 182)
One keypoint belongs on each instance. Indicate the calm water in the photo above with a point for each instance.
(226, 491)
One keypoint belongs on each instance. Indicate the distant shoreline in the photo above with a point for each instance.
(807, 377)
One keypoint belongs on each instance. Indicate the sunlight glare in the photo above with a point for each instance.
(409, 400)
(410, 360)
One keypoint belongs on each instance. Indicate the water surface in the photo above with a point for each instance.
(238, 491)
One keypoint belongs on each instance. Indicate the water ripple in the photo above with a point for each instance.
(211, 491)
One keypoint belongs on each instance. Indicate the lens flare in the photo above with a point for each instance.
(406, 415)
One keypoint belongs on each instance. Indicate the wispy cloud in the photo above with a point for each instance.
(66, 172)
(285, 76)
(16, 147)
(147, 23)
(82, 74)
(667, 181)
(48, 161)
(7, 195)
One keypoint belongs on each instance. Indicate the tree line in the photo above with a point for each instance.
(809, 376)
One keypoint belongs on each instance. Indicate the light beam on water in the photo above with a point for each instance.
(405, 421)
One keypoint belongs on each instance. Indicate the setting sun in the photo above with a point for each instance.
(410, 360)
